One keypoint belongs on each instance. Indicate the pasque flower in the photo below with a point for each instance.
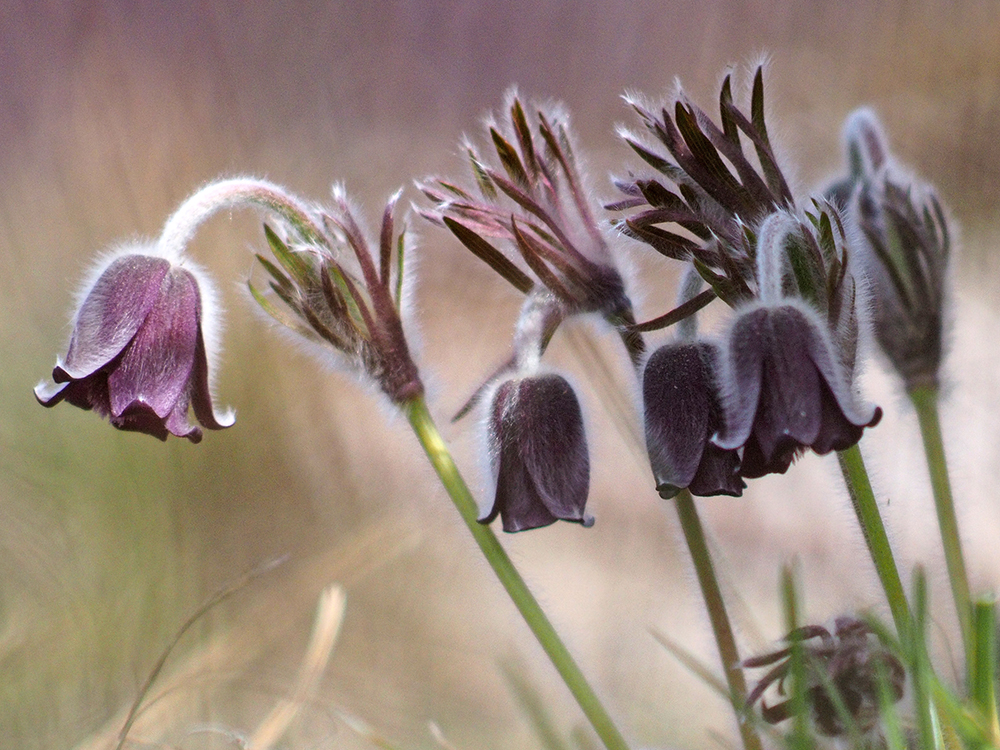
(786, 391)
(787, 379)
(682, 413)
(137, 354)
(538, 452)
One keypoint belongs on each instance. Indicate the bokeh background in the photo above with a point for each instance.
(112, 111)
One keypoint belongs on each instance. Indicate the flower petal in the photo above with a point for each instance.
(112, 313)
(201, 395)
(676, 389)
(155, 368)
(741, 386)
(789, 412)
(553, 447)
(718, 474)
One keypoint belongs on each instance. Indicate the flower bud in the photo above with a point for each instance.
(905, 249)
(538, 451)
(137, 354)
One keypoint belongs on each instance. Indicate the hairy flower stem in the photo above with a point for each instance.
(234, 193)
(866, 508)
(925, 402)
(439, 456)
(694, 535)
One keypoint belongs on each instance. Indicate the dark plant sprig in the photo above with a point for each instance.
(842, 670)
(533, 200)
(716, 196)
(355, 310)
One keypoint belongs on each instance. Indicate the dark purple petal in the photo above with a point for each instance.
(140, 417)
(718, 474)
(517, 499)
(755, 465)
(748, 341)
(553, 444)
(200, 393)
(676, 390)
(112, 313)
(682, 412)
(789, 411)
(838, 432)
(156, 367)
(87, 394)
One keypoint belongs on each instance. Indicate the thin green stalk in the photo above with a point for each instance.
(800, 737)
(866, 508)
(694, 535)
(983, 674)
(925, 402)
(434, 445)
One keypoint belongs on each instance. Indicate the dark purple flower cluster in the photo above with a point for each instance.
(781, 381)
(716, 416)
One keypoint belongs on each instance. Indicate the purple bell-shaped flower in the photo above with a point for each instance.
(539, 454)
(786, 391)
(137, 354)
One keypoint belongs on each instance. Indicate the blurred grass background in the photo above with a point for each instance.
(112, 111)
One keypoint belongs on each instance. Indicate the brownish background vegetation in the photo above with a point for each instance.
(111, 111)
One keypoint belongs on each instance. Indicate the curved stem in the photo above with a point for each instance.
(436, 450)
(694, 535)
(925, 402)
(224, 194)
(866, 508)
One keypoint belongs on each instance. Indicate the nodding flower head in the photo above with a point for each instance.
(535, 201)
(787, 383)
(538, 452)
(850, 660)
(785, 391)
(683, 412)
(355, 308)
(138, 353)
(905, 246)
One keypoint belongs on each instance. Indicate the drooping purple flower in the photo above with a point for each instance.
(137, 354)
(539, 454)
(786, 391)
(682, 413)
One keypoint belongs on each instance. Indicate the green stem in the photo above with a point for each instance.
(925, 402)
(863, 499)
(434, 445)
(694, 535)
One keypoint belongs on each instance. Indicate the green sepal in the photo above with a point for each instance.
(298, 268)
(509, 158)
